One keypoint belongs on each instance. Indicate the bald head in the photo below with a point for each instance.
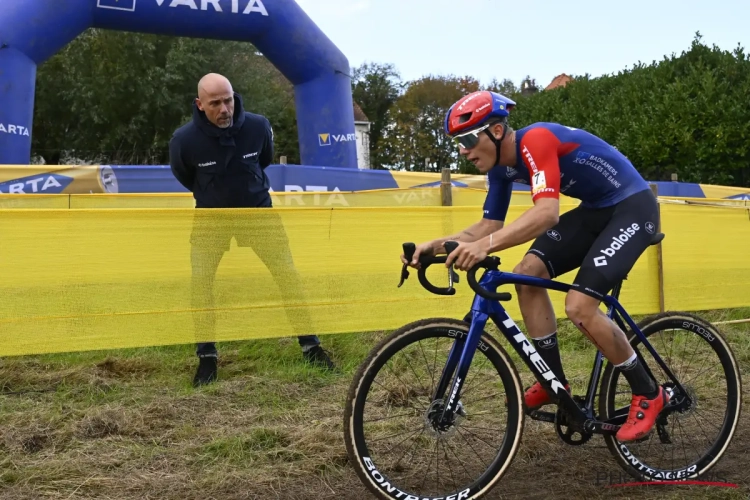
(213, 83)
(216, 99)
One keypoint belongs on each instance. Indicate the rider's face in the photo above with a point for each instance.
(484, 153)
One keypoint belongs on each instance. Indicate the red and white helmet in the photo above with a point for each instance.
(473, 113)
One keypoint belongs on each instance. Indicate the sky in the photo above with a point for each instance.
(489, 39)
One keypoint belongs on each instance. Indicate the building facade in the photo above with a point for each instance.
(362, 133)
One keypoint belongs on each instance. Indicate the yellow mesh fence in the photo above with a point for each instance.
(116, 274)
(706, 201)
(34, 201)
(397, 197)
(705, 256)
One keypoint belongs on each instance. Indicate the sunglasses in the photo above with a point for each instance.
(470, 139)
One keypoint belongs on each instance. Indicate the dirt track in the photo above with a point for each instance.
(129, 427)
(547, 468)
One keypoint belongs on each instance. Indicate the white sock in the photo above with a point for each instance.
(627, 363)
(545, 337)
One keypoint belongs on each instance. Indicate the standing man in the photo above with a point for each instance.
(221, 156)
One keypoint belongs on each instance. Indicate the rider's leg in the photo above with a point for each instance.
(614, 253)
(558, 251)
(541, 325)
(536, 306)
(583, 310)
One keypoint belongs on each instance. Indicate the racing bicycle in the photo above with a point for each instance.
(436, 409)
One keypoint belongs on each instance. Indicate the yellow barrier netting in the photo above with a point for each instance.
(400, 197)
(705, 256)
(84, 279)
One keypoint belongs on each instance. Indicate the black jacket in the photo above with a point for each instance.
(224, 167)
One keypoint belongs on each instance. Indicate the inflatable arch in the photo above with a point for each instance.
(31, 31)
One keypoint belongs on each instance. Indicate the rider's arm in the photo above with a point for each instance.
(474, 232)
(495, 209)
(539, 152)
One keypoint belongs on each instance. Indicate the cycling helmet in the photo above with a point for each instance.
(474, 113)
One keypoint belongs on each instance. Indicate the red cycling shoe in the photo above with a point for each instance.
(536, 397)
(642, 416)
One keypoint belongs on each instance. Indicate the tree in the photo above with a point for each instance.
(117, 97)
(375, 87)
(505, 87)
(685, 114)
(268, 92)
(415, 132)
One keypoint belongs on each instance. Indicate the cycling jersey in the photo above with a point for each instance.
(554, 159)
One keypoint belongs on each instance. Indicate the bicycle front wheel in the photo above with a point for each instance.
(698, 425)
(392, 443)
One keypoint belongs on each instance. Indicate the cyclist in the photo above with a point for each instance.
(603, 236)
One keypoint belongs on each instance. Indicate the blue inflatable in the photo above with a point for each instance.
(32, 31)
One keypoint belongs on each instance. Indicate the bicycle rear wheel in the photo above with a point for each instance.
(703, 363)
(392, 444)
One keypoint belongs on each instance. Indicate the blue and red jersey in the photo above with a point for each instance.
(554, 159)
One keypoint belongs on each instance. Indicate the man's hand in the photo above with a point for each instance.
(467, 255)
(422, 249)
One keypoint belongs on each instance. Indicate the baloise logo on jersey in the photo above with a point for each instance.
(617, 243)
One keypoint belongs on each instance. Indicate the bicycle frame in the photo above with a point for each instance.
(482, 310)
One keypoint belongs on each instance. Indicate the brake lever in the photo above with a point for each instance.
(452, 276)
(409, 249)
(450, 246)
(404, 275)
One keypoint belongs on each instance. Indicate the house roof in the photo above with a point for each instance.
(359, 115)
(559, 81)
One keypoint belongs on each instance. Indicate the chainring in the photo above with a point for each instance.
(567, 432)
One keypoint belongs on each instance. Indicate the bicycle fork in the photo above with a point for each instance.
(460, 356)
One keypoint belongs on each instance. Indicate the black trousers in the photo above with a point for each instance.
(264, 233)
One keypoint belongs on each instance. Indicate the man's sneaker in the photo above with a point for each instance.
(535, 396)
(642, 416)
(319, 356)
(206, 373)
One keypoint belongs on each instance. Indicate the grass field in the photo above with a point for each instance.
(128, 424)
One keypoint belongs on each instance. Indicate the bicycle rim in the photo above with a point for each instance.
(699, 357)
(401, 474)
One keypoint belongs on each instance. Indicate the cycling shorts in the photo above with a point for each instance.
(604, 242)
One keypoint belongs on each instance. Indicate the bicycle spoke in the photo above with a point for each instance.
(400, 425)
(472, 447)
(432, 372)
(386, 418)
(702, 370)
(412, 432)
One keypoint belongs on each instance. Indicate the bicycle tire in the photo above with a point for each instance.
(710, 334)
(356, 447)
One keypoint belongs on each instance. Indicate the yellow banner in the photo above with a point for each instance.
(112, 278)
(706, 263)
(104, 277)
(398, 197)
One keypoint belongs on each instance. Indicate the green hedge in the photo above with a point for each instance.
(687, 115)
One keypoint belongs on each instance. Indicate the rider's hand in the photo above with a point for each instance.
(422, 249)
(467, 255)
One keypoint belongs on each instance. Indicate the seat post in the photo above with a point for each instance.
(616, 290)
